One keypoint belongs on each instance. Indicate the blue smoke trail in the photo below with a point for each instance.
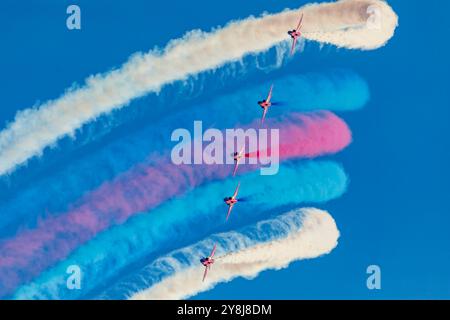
(337, 90)
(187, 219)
(195, 90)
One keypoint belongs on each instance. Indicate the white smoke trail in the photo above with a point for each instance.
(364, 24)
(315, 235)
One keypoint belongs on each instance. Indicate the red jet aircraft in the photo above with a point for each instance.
(237, 156)
(231, 201)
(295, 34)
(266, 103)
(208, 261)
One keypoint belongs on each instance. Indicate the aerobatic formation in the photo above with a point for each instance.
(132, 221)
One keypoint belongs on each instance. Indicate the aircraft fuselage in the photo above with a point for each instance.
(264, 104)
(230, 201)
(294, 34)
(207, 261)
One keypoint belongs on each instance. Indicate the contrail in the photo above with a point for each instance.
(187, 219)
(272, 244)
(354, 24)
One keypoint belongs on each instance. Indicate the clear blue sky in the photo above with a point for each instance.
(396, 213)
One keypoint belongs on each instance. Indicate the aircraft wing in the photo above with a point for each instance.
(264, 115)
(270, 94)
(235, 167)
(213, 251)
(204, 274)
(294, 41)
(242, 150)
(300, 23)
(229, 211)
(236, 191)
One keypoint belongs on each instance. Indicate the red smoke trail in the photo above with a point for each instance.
(143, 188)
